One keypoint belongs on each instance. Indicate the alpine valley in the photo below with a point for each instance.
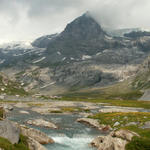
(85, 88)
(83, 56)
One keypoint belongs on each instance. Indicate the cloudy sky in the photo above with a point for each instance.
(28, 19)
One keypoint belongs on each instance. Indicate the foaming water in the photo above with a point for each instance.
(70, 135)
(77, 142)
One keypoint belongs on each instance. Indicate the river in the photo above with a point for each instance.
(71, 135)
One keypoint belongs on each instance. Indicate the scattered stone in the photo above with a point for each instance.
(2, 97)
(146, 125)
(42, 123)
(125, 117)
(37, 135)
(125, 134)
(108, 143)
(107, 128)
(34, 145)
(132, 123)
(116, 124)
(10, 131)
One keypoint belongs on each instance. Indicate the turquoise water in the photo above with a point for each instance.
(71, 135)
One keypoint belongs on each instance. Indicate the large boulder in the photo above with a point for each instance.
(8, 107)
(37, 135)
(125, 134)
(34, 145)
(42, 123)
(10, 131)
(89, 121)
(95, 123)
(109, 143)
(114, 141)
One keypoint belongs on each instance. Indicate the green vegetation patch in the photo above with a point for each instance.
(74, 109)
(35, 104)
(123, 118)
(137, 143)
(22, 145)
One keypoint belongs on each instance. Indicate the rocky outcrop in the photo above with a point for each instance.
(10, 131)
(37, 135)
(42, 123)
(109, 143)
(114, 141)
(34, 145)
(125, 134)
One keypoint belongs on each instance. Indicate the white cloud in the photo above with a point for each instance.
(28, 19)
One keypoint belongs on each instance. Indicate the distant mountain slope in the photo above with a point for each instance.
(83, 55)
(9, 87)
(142, 79)
(83, 36)
(137, 34)
(42, 42)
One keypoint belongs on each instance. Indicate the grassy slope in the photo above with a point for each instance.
(119, 91)
(137, 143)
(10, 87)
(120, 94)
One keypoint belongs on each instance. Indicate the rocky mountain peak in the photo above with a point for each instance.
(84, 27)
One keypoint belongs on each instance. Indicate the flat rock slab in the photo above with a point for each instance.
(37, 135)
(42, 123)
(89, 121)
(10, 131)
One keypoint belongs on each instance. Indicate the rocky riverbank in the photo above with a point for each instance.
(57, 124)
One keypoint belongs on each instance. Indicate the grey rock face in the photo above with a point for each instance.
(42, 42)
(10, 131)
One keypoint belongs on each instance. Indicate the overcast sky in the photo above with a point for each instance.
(29, 19)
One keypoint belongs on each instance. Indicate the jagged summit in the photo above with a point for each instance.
(84, 27)
(82, 36)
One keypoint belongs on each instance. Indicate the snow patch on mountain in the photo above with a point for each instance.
(39, 60)
(84, 57)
